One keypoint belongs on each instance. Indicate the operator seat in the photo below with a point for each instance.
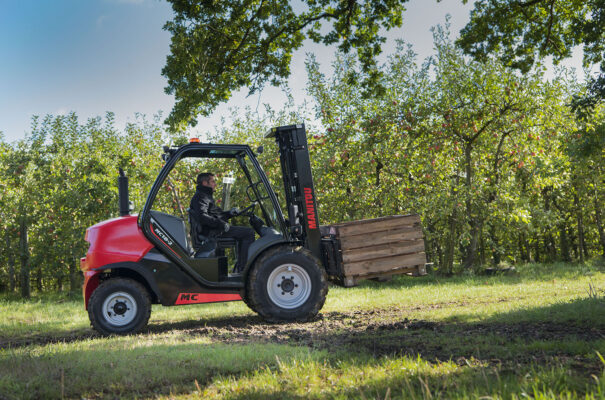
(203, 246)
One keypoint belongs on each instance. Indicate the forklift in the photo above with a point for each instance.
(136, 261)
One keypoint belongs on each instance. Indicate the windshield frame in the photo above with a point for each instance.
(209, 150)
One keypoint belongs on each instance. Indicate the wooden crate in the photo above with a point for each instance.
(380, 247)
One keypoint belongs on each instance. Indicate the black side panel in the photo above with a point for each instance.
(213, 269)
(140, 269)
(174, 226)
(171, 280)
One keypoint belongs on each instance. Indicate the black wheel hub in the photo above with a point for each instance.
(287, 285)
(120, 307)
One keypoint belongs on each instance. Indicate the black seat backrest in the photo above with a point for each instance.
(203, 246)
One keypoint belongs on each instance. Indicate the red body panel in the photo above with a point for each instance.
(197, 298)
(111, 241)
(121, 240)
(115, 240)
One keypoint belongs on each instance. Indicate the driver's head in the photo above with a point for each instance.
(206, 179)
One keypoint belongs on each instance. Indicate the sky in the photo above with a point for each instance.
(94, 56)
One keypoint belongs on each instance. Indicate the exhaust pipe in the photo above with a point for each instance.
(123, 194)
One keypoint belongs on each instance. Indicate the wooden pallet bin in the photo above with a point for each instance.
(380, 247)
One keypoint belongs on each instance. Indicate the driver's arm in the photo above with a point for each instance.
(201, 208)
(226, 215)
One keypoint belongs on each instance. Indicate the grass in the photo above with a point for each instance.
(536, 334)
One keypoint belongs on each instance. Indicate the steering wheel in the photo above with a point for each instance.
(248, 210)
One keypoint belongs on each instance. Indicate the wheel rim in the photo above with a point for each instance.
(289, 286)
(119, 309)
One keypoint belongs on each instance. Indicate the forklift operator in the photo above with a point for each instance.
(214, 220)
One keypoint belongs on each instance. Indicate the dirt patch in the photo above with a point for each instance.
(385, 332)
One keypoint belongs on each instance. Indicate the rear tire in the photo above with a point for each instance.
(119, 306)
(287, 284)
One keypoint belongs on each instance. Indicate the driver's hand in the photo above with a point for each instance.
(234, 212)
(226, 227)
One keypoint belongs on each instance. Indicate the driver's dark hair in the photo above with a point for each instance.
(204, 177)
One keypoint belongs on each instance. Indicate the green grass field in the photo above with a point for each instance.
(539, 333)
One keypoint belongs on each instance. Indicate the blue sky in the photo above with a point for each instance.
(93, 56)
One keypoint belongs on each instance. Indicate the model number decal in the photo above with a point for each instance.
(163, 235)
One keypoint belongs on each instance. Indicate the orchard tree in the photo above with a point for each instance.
(521, 32)
(24, 168)
(7, 217)
(220, 47)
(59, 181)
(586, 149)
(362, 158)
(454, 140)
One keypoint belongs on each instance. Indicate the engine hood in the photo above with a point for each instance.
(115, 240)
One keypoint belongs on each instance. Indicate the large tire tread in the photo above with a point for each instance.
(256, 300)
(99, 295)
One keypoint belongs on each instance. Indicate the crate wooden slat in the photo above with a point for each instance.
(385, 250)
(376, 224)
(380, 247)
(384, 264)
(376, 238)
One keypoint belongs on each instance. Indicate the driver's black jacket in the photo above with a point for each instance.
(211, 217)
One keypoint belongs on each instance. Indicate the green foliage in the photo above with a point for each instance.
(471, 146)
(220, 47)
(522, 32)
(60, 180)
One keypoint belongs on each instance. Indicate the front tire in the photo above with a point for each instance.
(119, 306)
(287, 284)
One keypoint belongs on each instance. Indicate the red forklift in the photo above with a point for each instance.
(153, 258)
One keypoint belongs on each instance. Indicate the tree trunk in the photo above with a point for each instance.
(581, 244)
(496, 256)
(59, 282)
(572, 244)
(39, 278)
(599, 221)
(73, 275)
(24, 256)
(482, 247)
(549, 243)
(448, 262)
(551, 247)
(11, 264)
(537, 250)
(527, 247)
(523, 247)
(471, 249)
(564, 243)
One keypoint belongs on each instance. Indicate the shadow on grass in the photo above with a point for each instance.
(560, 340)
(386, 331)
